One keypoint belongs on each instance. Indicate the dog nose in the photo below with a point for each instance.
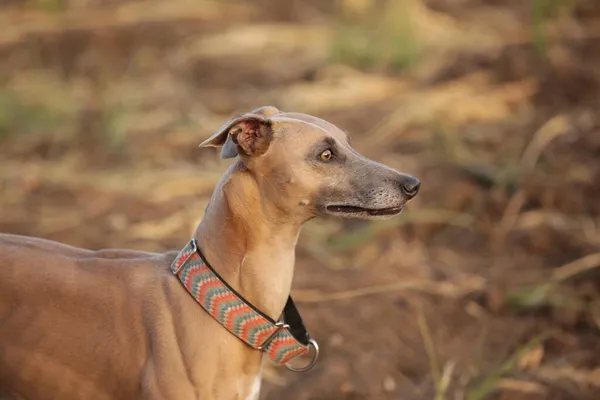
(410, 186)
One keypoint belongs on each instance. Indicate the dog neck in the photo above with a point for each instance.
(247, 241)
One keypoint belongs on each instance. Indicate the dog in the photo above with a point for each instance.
(123, 324)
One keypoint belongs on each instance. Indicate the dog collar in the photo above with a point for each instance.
(282, 340)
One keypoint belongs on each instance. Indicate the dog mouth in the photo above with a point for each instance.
(373, 212)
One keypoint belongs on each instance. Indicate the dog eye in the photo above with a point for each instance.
(327, 155)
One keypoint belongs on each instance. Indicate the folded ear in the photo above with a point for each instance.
(249, 134)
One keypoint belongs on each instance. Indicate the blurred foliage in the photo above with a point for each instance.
(18, 116)
(49, 5)
(543, 11)
(379, 38)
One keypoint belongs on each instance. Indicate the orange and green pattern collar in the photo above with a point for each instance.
(282, 341)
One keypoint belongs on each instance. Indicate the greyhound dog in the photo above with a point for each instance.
(123, 324)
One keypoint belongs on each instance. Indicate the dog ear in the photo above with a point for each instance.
(267, 111)
(248, 133)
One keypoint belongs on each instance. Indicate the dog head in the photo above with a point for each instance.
(306, 166)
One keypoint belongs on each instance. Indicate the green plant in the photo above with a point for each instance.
(542, 12)
(49, 5)
(381, 38)
(18, 116)
(486, 386)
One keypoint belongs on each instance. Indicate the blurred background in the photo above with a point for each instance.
(484, 288)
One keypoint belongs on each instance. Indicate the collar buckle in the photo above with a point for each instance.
(280, 325)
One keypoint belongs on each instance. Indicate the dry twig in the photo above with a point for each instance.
(578, 266)
(457, 289)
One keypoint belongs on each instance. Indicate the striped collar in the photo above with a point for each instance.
(282, 340)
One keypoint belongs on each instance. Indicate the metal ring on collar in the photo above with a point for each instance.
(314, 344)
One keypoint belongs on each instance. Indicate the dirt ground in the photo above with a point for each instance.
(487, 287)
